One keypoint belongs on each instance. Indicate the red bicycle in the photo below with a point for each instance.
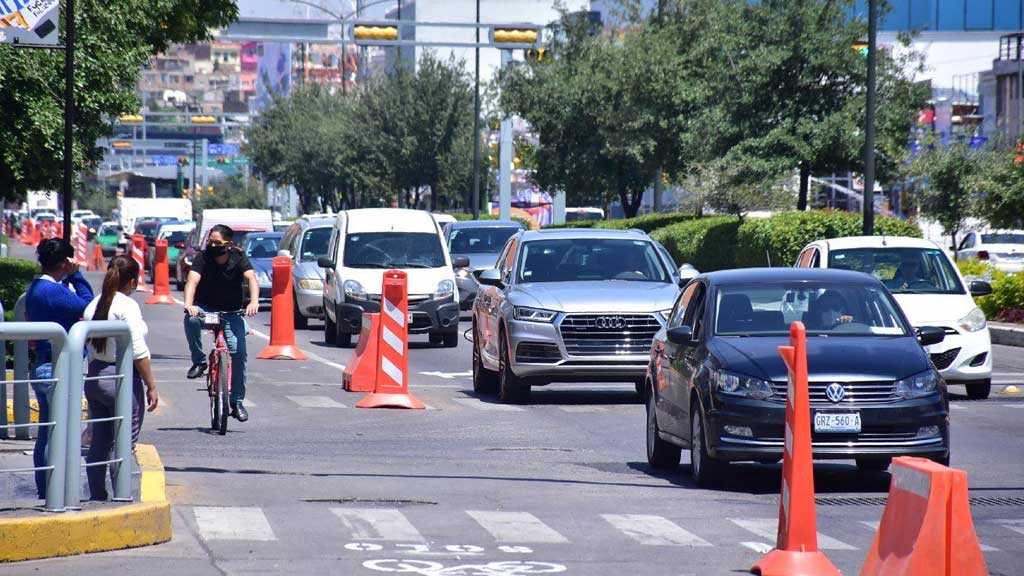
(218, 376)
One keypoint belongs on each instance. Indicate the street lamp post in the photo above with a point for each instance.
(69, 113)
(869, 129)
(475, 209)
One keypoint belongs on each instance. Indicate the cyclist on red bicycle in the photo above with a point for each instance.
(215, 285)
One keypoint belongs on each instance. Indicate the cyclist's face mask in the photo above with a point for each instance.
(217, 248)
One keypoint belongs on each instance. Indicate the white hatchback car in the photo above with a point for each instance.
(931, 292)
(1002, 249)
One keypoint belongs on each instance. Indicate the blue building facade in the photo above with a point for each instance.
(951, 15)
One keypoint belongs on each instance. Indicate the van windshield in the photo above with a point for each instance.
(393, 250)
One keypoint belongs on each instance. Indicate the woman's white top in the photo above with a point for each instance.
(126, 309)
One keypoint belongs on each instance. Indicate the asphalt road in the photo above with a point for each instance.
(313, 485)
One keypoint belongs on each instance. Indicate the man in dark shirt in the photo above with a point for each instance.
(215, 285)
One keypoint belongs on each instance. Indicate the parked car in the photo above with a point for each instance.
(569, 305)
(109, 237)
(480, 241)
(305, 242)
(1002, 249)
(261, 247)
(367, 242)
(717, 384)
(930, 290)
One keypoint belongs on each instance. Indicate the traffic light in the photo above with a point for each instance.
(185, 193)
(861, 47)
(518, 37)
(221, 160)
(182, 160)
(121, 144)
(203, 120)
(131, 118)
(209, 190)
(536, 54)
(370, 32)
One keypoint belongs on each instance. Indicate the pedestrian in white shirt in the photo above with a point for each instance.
(115, 303)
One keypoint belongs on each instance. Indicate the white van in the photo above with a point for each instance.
(367, 242)
(930, 290)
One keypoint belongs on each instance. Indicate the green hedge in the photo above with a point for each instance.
(783, 235)
(648, 222)
(464, 216)
(1007, 289)
(707, 243)
(580, 224)
(15, 275)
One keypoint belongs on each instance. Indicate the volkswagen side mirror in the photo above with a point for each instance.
(681, 335)
(928, 335)
(980, 288)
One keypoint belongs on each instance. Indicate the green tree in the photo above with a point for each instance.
(114, 39)
(1001, 189)
(232, 192)
(947, 192)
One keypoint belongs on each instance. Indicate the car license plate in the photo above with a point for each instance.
(838, 422)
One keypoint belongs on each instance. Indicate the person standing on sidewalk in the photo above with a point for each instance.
(115, 303)
(60, 294)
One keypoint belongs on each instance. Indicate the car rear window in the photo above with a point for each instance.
(1002, 238)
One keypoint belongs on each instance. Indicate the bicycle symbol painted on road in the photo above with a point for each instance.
(430, 568)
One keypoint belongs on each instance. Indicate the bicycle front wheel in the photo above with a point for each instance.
(223, 391)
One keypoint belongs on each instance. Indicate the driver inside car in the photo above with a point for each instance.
(908, 273)
(831, 310)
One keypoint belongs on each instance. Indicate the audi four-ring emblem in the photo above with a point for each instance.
(835, 392)
(610, 322)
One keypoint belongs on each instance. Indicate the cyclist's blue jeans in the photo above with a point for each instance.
(43, 392)
(234, 333)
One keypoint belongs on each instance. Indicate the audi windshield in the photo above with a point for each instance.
(393, 250)
(592, 259)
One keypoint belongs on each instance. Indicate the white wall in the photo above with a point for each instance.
(949, 54)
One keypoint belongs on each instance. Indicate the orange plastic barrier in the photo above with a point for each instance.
(137, 243)
(391, 390)
(97, 262)
(161, 276)
(282, 316)
(361, 370)
(796, 551)
(927, 527)
(81, 242)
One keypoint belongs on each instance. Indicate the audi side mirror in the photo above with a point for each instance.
(490, 277)
(928, 335)
(681, 335)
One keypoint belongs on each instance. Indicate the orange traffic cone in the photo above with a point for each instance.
(392, 387)
(97, 263)
(796, 551)
(282, 315)
(137, 243)
(927, 528)
(361, 370)
(161, 278)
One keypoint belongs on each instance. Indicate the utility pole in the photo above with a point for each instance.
(475, 208)
(69, 112)
(869, 129)
(505, 156)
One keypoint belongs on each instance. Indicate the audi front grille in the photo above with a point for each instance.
(608, 334)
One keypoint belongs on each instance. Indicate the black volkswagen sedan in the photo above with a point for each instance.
(717, 384)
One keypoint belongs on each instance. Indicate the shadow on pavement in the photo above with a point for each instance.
(203, 429)
(751, 478)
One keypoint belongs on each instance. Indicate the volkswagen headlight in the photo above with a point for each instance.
(445, 290)
(311, 284)
(974, 321)
(918, 385)
(353, 289)
(534, 314)
(739, 385)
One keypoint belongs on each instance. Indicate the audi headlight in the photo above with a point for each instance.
(533, 314)
(445, 290)
(353, 289)
(974, 321)
(739, 385)
(311, 284)
(918, 385)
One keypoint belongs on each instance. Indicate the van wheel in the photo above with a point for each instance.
(660, 454)
(979, 390)
(330, 330)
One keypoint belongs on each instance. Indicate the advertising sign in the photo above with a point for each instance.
(29, 21)
(274, 76)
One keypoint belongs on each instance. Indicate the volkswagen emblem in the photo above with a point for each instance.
(610, 322)
(835, 392)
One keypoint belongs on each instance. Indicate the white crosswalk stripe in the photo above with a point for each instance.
(583, 409)
(653, 530)
(768, 528)
(516, 527)
(488, 406)
(1015, 525)
(315, 401)
(231, 523)
(378, 524)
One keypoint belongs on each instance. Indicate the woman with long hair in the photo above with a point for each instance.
(115, 303)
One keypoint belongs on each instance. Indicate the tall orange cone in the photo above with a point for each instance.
(137, 243)
(161, 278)
(97, 263)
(282, 315)
(392, 387)
(796, 552)
(361, 369)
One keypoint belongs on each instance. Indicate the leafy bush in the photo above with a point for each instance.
(1011, 316)
(15, 275)
(973, 268)
(781, 236)
(580, 224)
(648, 222)
(708, 244)
(464, 216)
(1006, 303)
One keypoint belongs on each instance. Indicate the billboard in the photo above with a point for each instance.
(29, 21)
(274, 73)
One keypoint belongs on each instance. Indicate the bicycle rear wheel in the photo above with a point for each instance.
(223, 391)
(211, 390)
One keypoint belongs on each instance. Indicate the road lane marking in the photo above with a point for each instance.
(315, 402)
(957, 407)
(448, 375)
(768, 528)
(1017, 406)
(232, 523)
(873, 526)
(516, 527)
(378, 524)
(759, 547)
(583, 409)
(1015, 525)
(653, 530)
(490, 406)
(311, 355)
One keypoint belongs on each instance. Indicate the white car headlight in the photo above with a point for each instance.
(738, 385)
(445, 290)
(311, 284)
(353, 289)
(974, 321)
(534, 314)
(918, 385)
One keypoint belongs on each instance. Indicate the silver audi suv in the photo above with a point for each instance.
(569, 305)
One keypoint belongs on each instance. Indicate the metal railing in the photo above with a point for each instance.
(64, 447)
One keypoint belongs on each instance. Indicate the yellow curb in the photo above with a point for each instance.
(1011, 390)
(129, 526)
(33, 411)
